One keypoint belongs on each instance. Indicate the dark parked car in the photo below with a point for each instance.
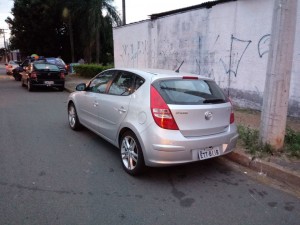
(41, 74)
(51, 60)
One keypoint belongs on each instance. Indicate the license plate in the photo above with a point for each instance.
(49, 82)
(209, 153)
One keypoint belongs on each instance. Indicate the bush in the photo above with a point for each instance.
(292, 143)
(90, 70)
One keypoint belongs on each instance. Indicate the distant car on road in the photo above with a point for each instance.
(12, 64)
(41, 74)
(155, 117)
(22, 66)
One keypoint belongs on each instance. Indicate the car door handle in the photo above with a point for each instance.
(122, 110)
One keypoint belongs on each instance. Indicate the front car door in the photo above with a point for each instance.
(89, 101)
(114, 105)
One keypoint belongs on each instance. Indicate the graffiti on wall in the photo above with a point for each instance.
(263, 45)
(238, 47)
(133, 53)
(171, 54)
(205, 62)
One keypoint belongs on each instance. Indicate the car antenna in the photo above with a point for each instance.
(177, 71)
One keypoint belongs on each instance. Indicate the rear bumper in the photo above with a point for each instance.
(166, 147)
(43, 83)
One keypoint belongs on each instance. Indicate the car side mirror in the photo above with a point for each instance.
(81, 87)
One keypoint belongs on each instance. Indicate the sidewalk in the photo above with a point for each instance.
(282, 169)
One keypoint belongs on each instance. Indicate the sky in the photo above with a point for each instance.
(136, 10)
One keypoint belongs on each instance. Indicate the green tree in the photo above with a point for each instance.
(98, 24)
(36, 27)
(70, 28)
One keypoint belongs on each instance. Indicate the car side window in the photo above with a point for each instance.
(123, 84)
(138, 82)
(100, 82)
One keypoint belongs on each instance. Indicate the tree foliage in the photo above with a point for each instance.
(72, 29)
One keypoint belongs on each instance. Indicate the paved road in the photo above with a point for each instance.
(50, 174)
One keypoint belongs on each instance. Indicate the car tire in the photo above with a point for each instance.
(73, 118)
(18, 77)
(29, 86)
(131, 154)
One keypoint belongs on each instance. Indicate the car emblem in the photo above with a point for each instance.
(208, 115)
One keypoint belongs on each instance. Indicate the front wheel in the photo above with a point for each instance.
(131, 154)
(73, 118)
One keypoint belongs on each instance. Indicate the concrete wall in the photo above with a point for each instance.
(228, 42)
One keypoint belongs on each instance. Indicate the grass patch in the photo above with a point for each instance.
(250, 139)
(292, 143)
(252, 143)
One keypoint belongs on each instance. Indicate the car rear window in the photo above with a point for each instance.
(190, 92)
(41, 66)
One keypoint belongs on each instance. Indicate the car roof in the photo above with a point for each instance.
(160, 73)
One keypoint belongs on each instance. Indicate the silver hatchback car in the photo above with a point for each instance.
(155, 117)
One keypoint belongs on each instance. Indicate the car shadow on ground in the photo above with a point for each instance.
(44, 89)
(202, 170)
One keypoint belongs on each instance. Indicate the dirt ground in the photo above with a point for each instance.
(251, 118)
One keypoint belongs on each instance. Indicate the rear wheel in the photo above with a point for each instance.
(131, 154)
(73, 118)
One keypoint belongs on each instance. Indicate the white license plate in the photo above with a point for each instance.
(49, 82)
(209, 153)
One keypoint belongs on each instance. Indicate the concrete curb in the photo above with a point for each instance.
(270, 169)
(68, 89)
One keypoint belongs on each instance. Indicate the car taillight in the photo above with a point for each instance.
(161, 112)
(232, 113)
(33, 74)
(62, 75)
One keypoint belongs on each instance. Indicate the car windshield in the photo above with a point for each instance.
(190, 92)
(42, 66)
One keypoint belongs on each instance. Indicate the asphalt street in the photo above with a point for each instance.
(50, 174)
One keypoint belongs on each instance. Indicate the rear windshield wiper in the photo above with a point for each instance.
(214, 100)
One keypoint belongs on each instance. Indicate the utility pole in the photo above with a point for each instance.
(279, 69)
(124, 12)
(2, 31)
